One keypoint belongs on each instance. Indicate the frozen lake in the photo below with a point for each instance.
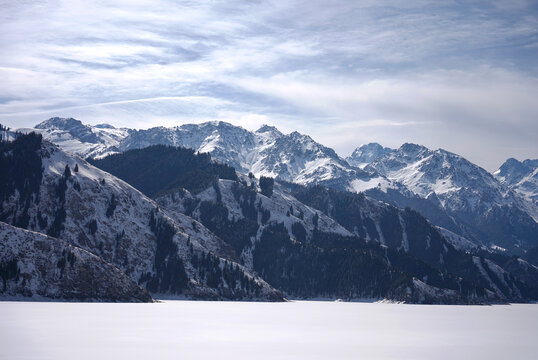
(295, 330)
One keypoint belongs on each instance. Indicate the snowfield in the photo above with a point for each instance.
(242, 330)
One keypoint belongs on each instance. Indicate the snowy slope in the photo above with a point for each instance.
(278, 206)
(84, 140)
(522, 177)
(35, 265)
(365, 154)
(472, 197)
(459, 184)
(109, 218)
(266, 151)
(446, 188)
(381, 224)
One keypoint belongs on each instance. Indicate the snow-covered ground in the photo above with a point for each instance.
(294, 330)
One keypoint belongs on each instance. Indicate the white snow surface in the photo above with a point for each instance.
(240, 330)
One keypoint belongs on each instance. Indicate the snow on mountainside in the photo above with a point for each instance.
(457, 183)
(484, 210)
(36, 265)
(278, 208)
(266, 151)
(230, 202)
(292, 245)
(84, 140)
(96, 211)
(521, 177)
(444, 187)
(365, 154)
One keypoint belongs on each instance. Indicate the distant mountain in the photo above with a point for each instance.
(522, 177)
(447, 189)
(268, 152)
(47, 190)
(365, 154)
(84, 140)
(455, 194)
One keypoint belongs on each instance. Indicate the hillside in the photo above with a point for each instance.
(47, 190)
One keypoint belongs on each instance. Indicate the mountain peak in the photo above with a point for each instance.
(513, 170)
(104, 126)
(367, 153)
(59, 123)
(412, 148)
(268, 129)
(219, 124)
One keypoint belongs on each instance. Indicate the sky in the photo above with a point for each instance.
(457, 75)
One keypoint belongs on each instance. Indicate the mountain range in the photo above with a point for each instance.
(486, 210)
(261, 215)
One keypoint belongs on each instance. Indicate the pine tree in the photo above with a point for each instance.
(67, 172)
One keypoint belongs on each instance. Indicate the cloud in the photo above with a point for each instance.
(457, 74)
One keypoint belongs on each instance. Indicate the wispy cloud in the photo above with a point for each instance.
(456, 74)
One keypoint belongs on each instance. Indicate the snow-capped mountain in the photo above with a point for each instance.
(365, 154)
(38, 266)
(287, 233)
(230, 236)
(84, 140)
(522, 177)
(446, 188)
(266, 151)
(472, 202)
(50, 191)
(458, 184)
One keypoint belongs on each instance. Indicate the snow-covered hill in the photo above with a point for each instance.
(62, 195)
(38, 266)
(280, 237)
(235, 237)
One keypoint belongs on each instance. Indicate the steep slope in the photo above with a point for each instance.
(447, 189)
(307, 254)
(47, 190)
(522, 177)
(295, 247)
(35, 265)
(461, 196)
(84, 140)
(365, 154)
(407, 231)
(292, 157)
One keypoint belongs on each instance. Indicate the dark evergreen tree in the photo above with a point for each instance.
(158, 169)
(67, 172)
(92, 227)
(266, 185)
(111, 206)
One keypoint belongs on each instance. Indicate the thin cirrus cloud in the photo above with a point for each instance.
(457, 74)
